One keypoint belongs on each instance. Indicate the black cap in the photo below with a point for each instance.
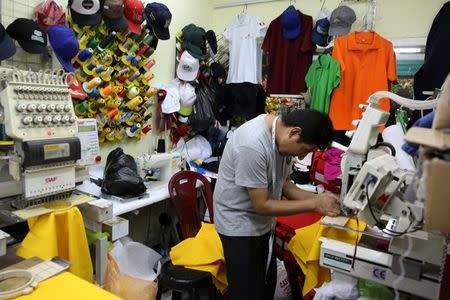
(29, 35)
(85, 12)
(158, 19)
(212, 40)
(7, 47)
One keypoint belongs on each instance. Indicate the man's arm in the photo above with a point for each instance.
(325, 204)
(291, 191)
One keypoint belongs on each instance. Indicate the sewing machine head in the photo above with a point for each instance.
(158, 168)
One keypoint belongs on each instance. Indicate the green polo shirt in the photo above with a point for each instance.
(323, 76)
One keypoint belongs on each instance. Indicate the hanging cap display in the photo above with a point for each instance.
(49, 13)
(319, 34)
(291, 22)
(64, 44)
(341, 21)
(134, 12)
(158, 18)
(112, 12)
(85, 12)
(188, 66)
(187, 99)
(7, 47)
(29, 35)
(194, 40)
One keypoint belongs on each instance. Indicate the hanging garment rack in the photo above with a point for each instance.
(240, 3)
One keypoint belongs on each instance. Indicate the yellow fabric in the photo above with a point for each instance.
(203, 252)
(305, 246)
(68, 287)
(59, 234)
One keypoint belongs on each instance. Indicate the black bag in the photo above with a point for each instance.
(202, 116)
(120, 177)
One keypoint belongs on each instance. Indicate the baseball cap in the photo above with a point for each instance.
(7, 47)
(194, 40)
(49, 13)
(212, 40)
(134, 12)
(188, 66)
(319, 34)
(171, 103)
(29, 35)
(112, 12)
(85, 12)
(158, 19)
(64, 44)
(341, 21)
(187, 99)
(290, 20)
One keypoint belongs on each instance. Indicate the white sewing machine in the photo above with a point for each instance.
(158, 168)
(393, 250)
(41, 154)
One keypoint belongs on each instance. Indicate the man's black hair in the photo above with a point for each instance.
(317, 128)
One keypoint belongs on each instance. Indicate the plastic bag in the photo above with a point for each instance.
(202, 116)
(128, 287)
(120, 176)
(49, 13)
(283, 288)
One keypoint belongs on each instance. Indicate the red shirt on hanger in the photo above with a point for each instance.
(288, 60)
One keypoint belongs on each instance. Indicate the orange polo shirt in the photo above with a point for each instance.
(367, 66)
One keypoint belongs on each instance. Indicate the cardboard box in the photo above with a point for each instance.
(437, 195)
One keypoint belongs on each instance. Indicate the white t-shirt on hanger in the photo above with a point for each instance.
(242, 35)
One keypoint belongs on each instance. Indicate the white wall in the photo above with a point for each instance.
(183, 13)
(395, 18)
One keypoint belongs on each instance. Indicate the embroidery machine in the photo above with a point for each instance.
(394, 250)
(43, 152)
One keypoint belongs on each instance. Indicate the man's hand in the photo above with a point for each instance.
(327, 204)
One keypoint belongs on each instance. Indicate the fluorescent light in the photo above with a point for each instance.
(407, 50)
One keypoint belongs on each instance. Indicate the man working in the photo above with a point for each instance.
(253, 175)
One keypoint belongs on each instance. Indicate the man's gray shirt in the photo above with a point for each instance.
(247, 162)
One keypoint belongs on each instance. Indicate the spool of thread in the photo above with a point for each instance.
(106, 41)
(150, 63)
(131, 131)
(110, 136)
(98, 69)
(122, 93)
(131, 120)
(142, 50)
(123, 47)
(106, 91)
(134, 48)
(106, 76)
(85, 54)
(112, 113)
(149, 52)
(82, 108)
(135, 102)
(92, 43)
(146, 129)
(122, 78)
(126, 59)
(134, 76)
(142, 111)
(135, 61)
(148, 39)
(107, 59)
(142, 36)
(148, 116)
(132, 92)
(147, 77)
(90, 85)
(94, 93)
(118, 134)
(148, 103)
(89, 68)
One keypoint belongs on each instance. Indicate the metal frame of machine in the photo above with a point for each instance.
(372, 189)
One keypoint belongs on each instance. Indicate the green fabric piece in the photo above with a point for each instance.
(94, 236)
(322, 78)
(374, 291)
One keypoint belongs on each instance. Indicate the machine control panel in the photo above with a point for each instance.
(36, 111)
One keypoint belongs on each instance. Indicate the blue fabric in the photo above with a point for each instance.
(424, 122)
